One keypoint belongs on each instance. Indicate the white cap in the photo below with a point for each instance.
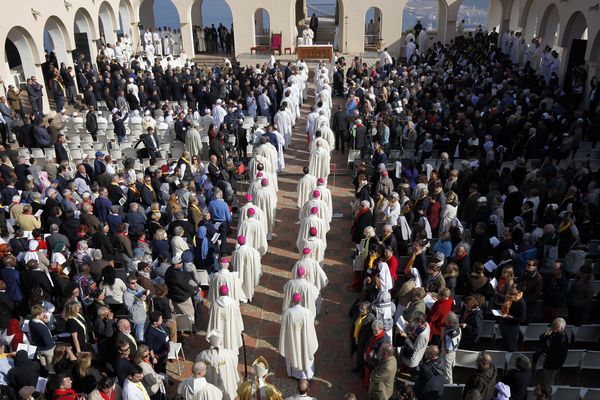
(215, 338)
(115, 110)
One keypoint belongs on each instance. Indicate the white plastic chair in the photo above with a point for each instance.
(566, 392)
(488, 330)
(591, 394)
(533, 332)
(498, 358)
(590, 360)
(174, 350)
(587, 334)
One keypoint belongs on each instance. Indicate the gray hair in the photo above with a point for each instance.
(365, 204)
(452, 320)
(377, 324)
(178, 231)
(559, 322)
(97, 254)
(53, 228)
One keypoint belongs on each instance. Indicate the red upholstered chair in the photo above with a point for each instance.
(276, 40)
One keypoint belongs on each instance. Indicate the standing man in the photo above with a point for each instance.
(314, 25)
(222, 365)
(381, 385)
(298, 340)
(196, 387)
(339, 125)
(91, 122)
(303, 387)
(58, 88)
(554, 345)
(35, 95)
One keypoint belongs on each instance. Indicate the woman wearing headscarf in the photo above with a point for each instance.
(206, 251)
(82, 254)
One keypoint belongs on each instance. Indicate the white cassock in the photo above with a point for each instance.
(218, 115)
(323, 213)
(326, 198)
(166, 42)
(147, 37)
(312, 222)
(311, 298)
(316, 246)
(198, 389)
(290, 107)
(327, 134)
(283, 120)
(246, 261)
(193, 141)
(225, 316)
(310, 124)
(270, 154)
(222, 370)
(305, 187)
(298, 342)
(308, 36)
(318, 165)
(149, 50)
(313, 272)
(258, 159)
(255, 233)
(266, 200)
(280, 155)
(321, 122)
(233, 282)
(324, 144)
(385, 277)
(422, 40)
(243, 215)
(157, 44)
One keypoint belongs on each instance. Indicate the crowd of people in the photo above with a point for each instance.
(487, 209)
(104, 259)
(211, 39)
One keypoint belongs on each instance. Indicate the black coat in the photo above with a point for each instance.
(178, 283)
(61, 152)
(430, 381)
(24, 373)
(518, 381)
(102, 242)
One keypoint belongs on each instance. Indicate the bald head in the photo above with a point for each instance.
(484, 360)
(302, 386)
(199, 369)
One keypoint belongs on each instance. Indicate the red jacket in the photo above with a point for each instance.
(393, 264)
(437, 316)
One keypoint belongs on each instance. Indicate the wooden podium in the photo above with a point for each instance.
(316, 52)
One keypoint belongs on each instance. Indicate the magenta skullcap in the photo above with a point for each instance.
(264, 182)
(259, 174)
(306, 250)
(320, 181)
(296, 297)
(241, 240)
(251, 212)
(223, 290)
(313, 231)
(248, 197)
(224, 260)
(300, 272)
(316, 194)
(314, 210)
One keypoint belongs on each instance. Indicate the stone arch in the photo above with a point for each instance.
(262, 27)
(167, 10)
(57, 39)
(85, 35)
(373, 24)
(576, 28)
(494, 15)
(107, 23)
(21, 54)
(126, 18)
(549, 26)
(513, 22)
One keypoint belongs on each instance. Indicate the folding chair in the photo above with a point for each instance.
(533, 331)
(174, 350)
(573, 360)
(37, 153)
(466, 358)
(352, 155)
(590, 360)
(566, 392)
(498, 358)
(591, 394)
(184, 323)
(587, 334)
(488, 330)
(453, 392)
(512, 359)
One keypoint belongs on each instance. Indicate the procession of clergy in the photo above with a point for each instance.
(215, 373)
(162, 42)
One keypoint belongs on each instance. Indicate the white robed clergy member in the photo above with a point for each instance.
(197, 387)
(325, 194)
(316, 246)
(218, 113)
(255, 232)
(258, 164)
(229, 279)
(283, 120)
(266, 200)
(246, 261)
(149, 50)
(327, 134)
(166, 42)
(318, 224)
(226, 317)
(157, 43)
(269, 152)
(315, 201)
(317, 138)
(222, 365)
(243, 212)
(290, 105)
(147, 36)
(258, 388)
(193, 140)
(311, 297)
(313, 271)
(298, 340)
(319, 162)
(320, 122)
(255, 184)
(280, 145)
(306, 185)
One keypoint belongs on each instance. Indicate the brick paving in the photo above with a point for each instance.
(262, 318)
